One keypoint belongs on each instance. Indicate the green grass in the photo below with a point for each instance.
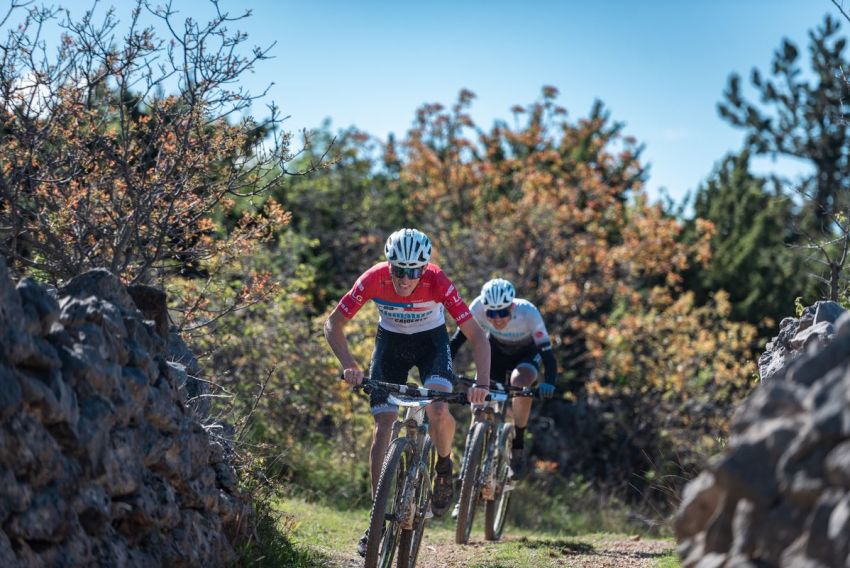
(330, 532)
(271, 544)
(332, 535)
(668, 561)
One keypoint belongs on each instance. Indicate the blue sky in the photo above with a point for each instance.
(660, 66)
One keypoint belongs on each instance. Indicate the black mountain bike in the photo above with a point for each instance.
(403, 497)
(485, 470)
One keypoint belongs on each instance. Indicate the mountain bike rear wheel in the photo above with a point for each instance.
(470, 488)
(385, 522)
(496, 511)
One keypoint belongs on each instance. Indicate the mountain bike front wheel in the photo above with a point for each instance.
(385, 522)
(470, 487)
(411, 539)
(496, 511)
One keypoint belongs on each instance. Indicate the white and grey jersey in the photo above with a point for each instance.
(524, 328)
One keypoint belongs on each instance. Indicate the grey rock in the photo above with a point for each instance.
(22, 348)
(162, 410)
(96, 422)
(29, 451)
(38, 304)
(92, 506)
(837, 466)
(842, 324)
(819, 333)
(122, 464)
(7, 553)
(11, 397)
(11, 312)
(50, 398)
(779, 495)
(46, 519)
(103, 284)
(827, 311)
(153, 305)
(15, 497)
(105, 455)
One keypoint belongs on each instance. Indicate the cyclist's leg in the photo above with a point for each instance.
(435, 369)
(380, 442)
(524, 375)
(501, 365)
(386, 366)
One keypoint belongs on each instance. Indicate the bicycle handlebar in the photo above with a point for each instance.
(510, 390)
(368, 385)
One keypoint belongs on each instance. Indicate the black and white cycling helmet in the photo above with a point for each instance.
(408, 248)
(497, 294)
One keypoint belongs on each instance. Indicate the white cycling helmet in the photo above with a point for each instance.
(408, 248)
(497, 294)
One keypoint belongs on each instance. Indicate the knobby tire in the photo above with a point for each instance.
(384, 533)
(496, 510)
(411, 539)
(470, 488)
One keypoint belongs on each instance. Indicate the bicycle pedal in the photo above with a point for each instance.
(429, 514)
(508, 487)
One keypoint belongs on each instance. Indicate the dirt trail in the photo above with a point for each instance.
(596, 551)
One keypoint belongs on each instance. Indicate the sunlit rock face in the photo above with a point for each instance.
(780, 494)
(105, 455)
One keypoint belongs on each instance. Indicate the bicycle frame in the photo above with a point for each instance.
(415, 424)
(403, 496)
(494, 416)
(484, 472)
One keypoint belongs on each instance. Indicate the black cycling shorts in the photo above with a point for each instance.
(503, 362)
(397, 353)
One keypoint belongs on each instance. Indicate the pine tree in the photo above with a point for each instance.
(751, 255)
(801, 118)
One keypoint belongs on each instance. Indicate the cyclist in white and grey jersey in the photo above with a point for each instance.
(519, 344)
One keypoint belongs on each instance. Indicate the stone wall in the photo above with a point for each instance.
(105, 459)
(780, 494)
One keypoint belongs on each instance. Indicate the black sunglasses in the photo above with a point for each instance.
(503, 313)
(411, 273)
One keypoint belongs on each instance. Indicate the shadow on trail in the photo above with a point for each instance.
(569, 547)
(563, 545)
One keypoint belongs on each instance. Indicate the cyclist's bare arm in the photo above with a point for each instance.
(335, 335)
(481, 355)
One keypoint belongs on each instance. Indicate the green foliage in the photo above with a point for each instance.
(801, 117)
(571, 507)
(322, 470)
(271, 546)
(750, 239)
(345, 213)
(799, 307)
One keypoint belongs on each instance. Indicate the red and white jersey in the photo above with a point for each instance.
(422, 310)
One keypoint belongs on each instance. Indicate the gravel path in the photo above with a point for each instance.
(587, 551)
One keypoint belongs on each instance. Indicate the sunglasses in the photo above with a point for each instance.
(410, 273)
(503, 313)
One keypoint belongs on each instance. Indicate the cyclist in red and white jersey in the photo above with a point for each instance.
(412, 296)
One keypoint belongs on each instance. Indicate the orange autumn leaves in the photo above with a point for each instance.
(558, 207)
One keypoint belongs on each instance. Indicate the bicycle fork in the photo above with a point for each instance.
(487, 476)
(409, 506)
(488, 472)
